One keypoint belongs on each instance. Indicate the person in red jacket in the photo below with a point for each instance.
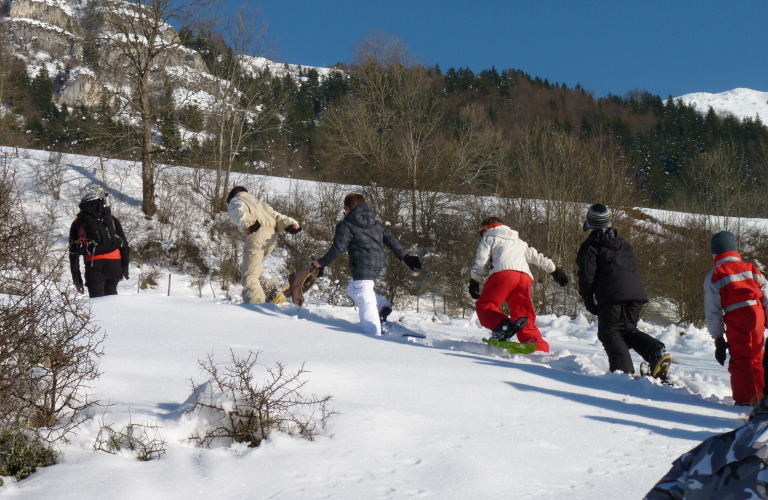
(735, 306)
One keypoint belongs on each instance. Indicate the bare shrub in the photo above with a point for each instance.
(52, 174)
(49, 347)
(237, 408)
(149, 279)
(141, 441)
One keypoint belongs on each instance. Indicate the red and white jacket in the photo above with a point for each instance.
(730, 285)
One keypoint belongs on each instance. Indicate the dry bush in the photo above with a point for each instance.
(49, 347)
(51, 174)
(225, 242)
(141, 441)
(149, 279)
(238, 408)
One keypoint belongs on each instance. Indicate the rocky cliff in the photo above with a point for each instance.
(45, 32)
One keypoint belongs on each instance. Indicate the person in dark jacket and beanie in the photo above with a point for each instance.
(611, 287)
(99, 238)
(364, 238)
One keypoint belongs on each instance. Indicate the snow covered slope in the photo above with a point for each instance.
(255, 64)
(441, 417)
(742, 103)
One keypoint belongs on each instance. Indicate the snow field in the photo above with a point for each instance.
(441, 417)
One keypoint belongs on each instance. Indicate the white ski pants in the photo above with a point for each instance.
(368, 303)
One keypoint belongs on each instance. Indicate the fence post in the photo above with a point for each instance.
(169, 284)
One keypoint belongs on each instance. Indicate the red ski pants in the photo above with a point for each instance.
(745, 334)
(513, 287)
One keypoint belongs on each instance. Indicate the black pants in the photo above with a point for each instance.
(617, 330)
(102, 277)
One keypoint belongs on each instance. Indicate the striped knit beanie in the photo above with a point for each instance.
(89, 197)
(598, 217)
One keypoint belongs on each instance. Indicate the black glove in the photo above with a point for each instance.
(560, 277)
(721, 347)
(293, 230)
(79, 287)
(412, 261)
(255, 227)
(474, 289)
(125, 272)
(589, 303)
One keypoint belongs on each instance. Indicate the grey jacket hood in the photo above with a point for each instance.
(361, 216)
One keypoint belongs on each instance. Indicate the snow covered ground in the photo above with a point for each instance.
(742, 103)
(441, 417)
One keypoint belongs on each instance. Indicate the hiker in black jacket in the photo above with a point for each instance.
(611, 287)
(99, 238)
(364, 238)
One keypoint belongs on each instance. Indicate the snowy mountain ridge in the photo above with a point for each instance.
(741, 103)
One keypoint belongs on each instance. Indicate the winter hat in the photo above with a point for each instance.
(724, 241)
(598, 217)
(89, 197)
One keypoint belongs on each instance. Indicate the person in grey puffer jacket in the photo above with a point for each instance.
(732, 466)
(364, 238)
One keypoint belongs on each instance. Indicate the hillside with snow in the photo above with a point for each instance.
(741, 103)
(443, 416)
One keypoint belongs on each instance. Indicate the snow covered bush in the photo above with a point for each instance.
(141, 441)
(233, 406)
(22, 452)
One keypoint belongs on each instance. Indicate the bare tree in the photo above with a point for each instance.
(382, 132)
(243, 109)
(718, 186)
(135, 41)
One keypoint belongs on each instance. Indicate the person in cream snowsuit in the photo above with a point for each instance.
(260, 225)
(503, 257)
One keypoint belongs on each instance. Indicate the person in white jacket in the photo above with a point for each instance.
(503, 257)
(260, 225)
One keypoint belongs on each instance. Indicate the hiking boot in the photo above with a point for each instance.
(508, 328)
(384, 314)
(660, 362)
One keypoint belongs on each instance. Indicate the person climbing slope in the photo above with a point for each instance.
(612, 290)
(98, 236)
(735, 307)
(360, 234)
(260, 225)
(503, 257)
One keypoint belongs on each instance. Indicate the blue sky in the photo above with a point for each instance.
(666, 47)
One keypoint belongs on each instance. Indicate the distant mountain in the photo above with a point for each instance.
(742, 103)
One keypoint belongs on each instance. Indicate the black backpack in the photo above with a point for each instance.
(97, 229)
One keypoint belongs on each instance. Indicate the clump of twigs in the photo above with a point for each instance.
(237, 406)
(142, 441)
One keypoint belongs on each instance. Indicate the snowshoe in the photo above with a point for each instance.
(287, 293)
(512, 347)
(508, 328)
(660, 363)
